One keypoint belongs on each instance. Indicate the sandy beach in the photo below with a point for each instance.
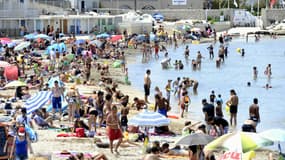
(50, 146)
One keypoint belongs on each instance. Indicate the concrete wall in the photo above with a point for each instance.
(200, 14)
(269, 16)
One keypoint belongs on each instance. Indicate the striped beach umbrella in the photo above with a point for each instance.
(149, 119)
(22, 46)
(37, 101)
(240, 142)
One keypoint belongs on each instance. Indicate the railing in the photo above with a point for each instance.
(56, 3)
(19, 13)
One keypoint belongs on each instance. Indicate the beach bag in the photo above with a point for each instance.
(80, 132)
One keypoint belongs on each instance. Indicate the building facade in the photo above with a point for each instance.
(153, 4)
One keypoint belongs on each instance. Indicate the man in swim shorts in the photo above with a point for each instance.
(233, 103)
(147, 83)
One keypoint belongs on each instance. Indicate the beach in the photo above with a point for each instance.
(49, 145)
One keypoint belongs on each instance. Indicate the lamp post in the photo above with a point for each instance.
(135, 5)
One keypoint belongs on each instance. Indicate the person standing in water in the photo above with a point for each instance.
(211, 51)
(254, 111)
(168, 90)
(199, 59)
(233, 103)
(268, 72)
(255, 73)
(187, 52)
(147, 83)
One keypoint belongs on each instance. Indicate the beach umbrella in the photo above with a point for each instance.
(15, 84)
(43, 36)
(37, 101)
(158, 16)
(79, 41)
(4, 64)
(30, 36)
(11, 44)
(149, 119)
(175, 30)
(274, 134)
(52, 80)
(195, 139)
(115, 38)
(103, 35)
(22, 46)
(5, 40)
(195, 29)
(96, 42)
(240, 142)
(70, 57)
(140, 38)
(186, 27)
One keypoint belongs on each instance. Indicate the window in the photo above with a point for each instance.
(110, 21)
(103, 21)
(22, 1)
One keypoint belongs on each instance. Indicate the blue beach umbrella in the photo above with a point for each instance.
(149, 119)
(43, 36)
(158, 16)
(11, 44)
(79, 41)
(103, 35)
(30, 36)
(53, 79)
(22, 46)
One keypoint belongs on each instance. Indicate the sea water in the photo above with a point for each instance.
(233, 74)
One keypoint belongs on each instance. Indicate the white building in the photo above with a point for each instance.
(84, 5)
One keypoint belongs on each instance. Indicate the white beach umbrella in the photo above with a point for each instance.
(149, 119)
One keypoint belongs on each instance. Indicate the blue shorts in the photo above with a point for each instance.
(56, 102)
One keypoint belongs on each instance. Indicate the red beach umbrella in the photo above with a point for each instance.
(115, 38)
(5, 40)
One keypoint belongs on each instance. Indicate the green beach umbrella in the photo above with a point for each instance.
(241, 142)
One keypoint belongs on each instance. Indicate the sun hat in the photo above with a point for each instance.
(21, 131)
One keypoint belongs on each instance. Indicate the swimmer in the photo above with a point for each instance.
(242, 52)
(267, 86)
(248, 84)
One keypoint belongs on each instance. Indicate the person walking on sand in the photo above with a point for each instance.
(254, 111)
(233, 103)
(57, 92)
(113, 129)
(147, 83)
(22, 144)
